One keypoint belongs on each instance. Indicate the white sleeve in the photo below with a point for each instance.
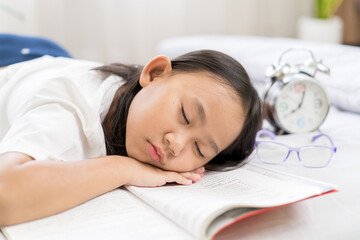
(51, 131)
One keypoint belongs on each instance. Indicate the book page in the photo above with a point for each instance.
(195, 206)
(228, 217)
(114, 215)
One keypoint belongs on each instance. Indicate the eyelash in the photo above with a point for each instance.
(183, 113)
(187, 122)
(198, 150)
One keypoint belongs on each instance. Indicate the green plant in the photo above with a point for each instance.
(326, 8)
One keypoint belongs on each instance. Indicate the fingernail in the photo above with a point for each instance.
(188, 181)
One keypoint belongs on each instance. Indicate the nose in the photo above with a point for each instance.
(175, 143)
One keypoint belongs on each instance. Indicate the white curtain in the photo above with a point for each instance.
(129, 30)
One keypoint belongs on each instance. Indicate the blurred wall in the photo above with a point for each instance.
(129, 30)
(349, 12)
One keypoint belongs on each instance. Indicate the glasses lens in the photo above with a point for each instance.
(315, 156)
(272, 152)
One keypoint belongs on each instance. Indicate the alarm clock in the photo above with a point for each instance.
(294, 100)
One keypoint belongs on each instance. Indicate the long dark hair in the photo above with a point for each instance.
(227, 69)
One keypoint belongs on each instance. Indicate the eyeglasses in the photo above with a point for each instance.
(312, 156)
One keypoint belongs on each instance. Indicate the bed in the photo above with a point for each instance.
(334, 216)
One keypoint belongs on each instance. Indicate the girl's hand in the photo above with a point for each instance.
(145, 175)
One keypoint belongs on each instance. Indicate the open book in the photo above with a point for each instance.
(198, 211)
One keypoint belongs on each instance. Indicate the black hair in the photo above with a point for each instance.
(226, 69)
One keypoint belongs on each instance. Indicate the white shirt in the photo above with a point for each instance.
(52, 108)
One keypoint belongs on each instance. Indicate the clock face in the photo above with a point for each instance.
(301, 106)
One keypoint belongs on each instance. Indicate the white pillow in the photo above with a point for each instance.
(257, 53)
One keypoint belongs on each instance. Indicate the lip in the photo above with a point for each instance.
(155, 153)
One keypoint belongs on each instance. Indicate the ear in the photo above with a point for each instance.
(157, 67)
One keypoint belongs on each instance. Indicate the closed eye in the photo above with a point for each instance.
(184, 115)
(198, 150)
(188, 122)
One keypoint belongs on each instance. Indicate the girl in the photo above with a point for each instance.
(115, 125)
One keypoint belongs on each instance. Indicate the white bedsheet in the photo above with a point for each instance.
(331, 217)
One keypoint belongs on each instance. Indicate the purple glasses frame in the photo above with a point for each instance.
(332, 148)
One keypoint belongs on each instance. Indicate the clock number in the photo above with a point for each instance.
(300, 122)
(317, 103)
(283, 106)
(300, 87)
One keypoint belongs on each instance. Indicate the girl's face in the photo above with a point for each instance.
(181, 121)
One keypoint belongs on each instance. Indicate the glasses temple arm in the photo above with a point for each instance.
(327, 136)
(267, 132)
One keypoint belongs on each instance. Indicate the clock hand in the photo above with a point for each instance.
(300, 104)
(302, 98)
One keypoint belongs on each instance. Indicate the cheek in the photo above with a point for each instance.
(149, 118)
(134, 130)
(151, 107)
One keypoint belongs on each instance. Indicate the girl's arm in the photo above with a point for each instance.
(34, 189)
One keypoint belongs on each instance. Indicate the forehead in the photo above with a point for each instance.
(204, 81)
(221, 104)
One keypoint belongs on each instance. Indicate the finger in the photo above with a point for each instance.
(178, 178)
(199, 170)
(192, 176)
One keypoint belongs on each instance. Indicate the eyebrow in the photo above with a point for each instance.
(202, 116)
(200, 111)
(214, 146)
